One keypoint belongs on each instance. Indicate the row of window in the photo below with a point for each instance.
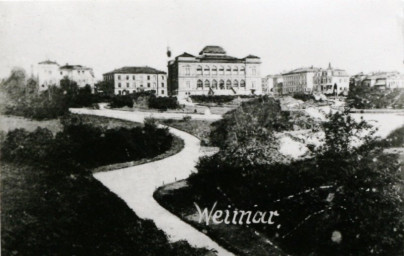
(221, 70)
(141, 85)
(125, 92)
(221, 84)
(128, 77)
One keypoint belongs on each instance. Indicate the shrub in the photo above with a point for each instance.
(212, 98)
(120, 101)
(163, 103)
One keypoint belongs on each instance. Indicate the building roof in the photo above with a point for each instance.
(67, 66)
(252, 57)
(48, 62)
(136, 70)
(212, 49)
(185, 54)
(302, 70)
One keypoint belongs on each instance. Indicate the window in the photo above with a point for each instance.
(148, 85)
(61, 73)
(228, 84)
(242, 70)
(188, 84)
(148, 77)
(207, 83)
(214, 70)
(235, 83)
(254, 71)
(214, 84)
(187, 71)
(199, 84)
(242, 83)
(199, 70)
(206, 70)
(127, 85)
(221, 70)
(162, 91)
(162, 84)
(119, 77)
(162, 77)
(119, 85)
(228, 70)
(221, 84)
(133, 77)
(235, 70)
(127, 77)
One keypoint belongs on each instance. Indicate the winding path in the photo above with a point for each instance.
(136, 185)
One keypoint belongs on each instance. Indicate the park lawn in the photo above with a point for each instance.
(179, 199)
(49, 212)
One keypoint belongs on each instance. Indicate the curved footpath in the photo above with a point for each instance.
(136, 185)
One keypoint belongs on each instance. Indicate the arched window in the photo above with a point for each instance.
(242, 70)
(235, 83)
(199, 70)
(207, 83)
(214, 70)
(199, 84)
(228, 70)
(228, 84)
(235, 70)
(242, 83)
(206, 71)
(221, 84)
(221, 70)
(214, 84)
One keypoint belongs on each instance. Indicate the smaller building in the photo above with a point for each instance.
(49, 73)
(331, 81)
(272, 84)
(128, 80)
(381, 80)
(299, 80)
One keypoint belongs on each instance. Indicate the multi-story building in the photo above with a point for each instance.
(214, 73)
(50, 73)
(299, 80)
(331, 81)
(135, 79)
(381, 80)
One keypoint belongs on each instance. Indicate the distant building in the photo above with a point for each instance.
(50, 73)
(331, 81)
(214, 73)
(299, 80)
(381, 80)
(135, 79)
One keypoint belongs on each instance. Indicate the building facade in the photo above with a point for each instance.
(272, 85)
(214, 73)
(300, 80)
(49, 73)
(331, 81)
(381, 80)
(128, 80)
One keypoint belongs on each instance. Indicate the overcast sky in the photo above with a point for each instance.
(356, 35)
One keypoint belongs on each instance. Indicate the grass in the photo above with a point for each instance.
(47, 212)
(199, 128)
(178, 198)
(8, 123)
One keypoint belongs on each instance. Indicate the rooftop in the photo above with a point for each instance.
(136, 70)
(302, 70)
(48, 62)
(212, 49)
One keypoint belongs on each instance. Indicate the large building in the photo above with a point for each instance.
(135, 79)
(50, 73)
(213, 72)
(331, 81)
(299, 80)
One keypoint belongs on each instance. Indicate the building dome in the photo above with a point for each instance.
(212, 49)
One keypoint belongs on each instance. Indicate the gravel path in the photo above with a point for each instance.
(136, 185)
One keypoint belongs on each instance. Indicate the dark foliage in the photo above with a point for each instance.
(349, 190)
(303, 96)
(119, 101)
(163, 103)
(212, 99)
(364, 97)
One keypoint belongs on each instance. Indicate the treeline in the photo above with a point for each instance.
(365, 97)
(52, 205)
(219, 99)
(340, 191)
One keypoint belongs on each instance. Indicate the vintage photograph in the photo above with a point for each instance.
(202, 128)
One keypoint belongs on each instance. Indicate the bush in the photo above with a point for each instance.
(303, 96)
(120, 101)
(213, 99)
(163, 103)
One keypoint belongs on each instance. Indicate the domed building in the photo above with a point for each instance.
(213, 72)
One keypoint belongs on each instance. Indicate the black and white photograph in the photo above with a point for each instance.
(202, 128)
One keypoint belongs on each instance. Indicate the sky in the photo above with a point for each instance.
(355, 35)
